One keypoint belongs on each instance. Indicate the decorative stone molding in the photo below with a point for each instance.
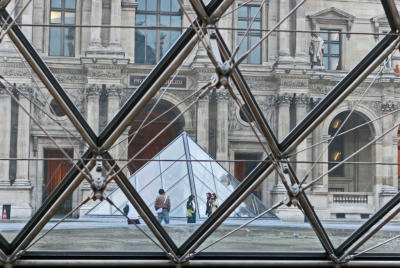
(93, 90)
(301, 99)
(222, 95)
(378, 23)
(129, 4)
(114, 90)
(332, 16)
(25, 90)
(389, 106)
(284, 98)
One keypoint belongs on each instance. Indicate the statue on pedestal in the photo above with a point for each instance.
(316, 51)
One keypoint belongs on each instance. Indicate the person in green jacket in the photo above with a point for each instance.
(191, 210)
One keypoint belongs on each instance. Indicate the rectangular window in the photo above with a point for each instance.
(62, 39)
(152, 44)
(245, 16)
(333, 49)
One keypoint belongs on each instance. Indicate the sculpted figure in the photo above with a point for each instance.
(316, 50)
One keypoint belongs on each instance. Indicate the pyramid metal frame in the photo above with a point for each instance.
(98, 145)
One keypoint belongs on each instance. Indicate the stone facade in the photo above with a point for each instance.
(286, 87)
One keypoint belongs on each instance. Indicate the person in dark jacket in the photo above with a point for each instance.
(191, 210)
(208, 207)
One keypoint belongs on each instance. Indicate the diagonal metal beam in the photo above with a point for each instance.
(200, 9)
(53, 207)
(156, 78)
(4, 245)
(4, 4)
(49, 80)
(59, 191)
(392, 14)
(141, 207)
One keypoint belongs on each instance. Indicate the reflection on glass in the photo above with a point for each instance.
(55, 41)
(69, 17)
(70, 4)
(69, 42)
(334, 36)
(55, 4)
(55, 17)
(174, 173)
(147, 173)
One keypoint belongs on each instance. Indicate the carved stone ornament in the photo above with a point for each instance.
(25, 90)
(114, 90)
(93, 89)
(378, 23)
(389, 106)
(301, 99)
(284, 98)
(332, 16)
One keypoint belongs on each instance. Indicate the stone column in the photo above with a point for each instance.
(301, 112)
(301, 57)
(283, 102)
(93, 97)
(115, 32)
(202, 122)
(95, 19)
(5, 132)
(387, 152)
(113, 93)
(222, 126)
(284, 37)
(23, 136)
(27, 18)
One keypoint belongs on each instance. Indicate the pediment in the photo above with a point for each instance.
(333, 16)
(332, 13)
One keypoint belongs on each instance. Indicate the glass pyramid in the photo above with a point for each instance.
(180, 178)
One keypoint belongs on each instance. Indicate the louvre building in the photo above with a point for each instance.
(153, 106)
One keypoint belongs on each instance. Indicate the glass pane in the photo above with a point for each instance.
(151, 20)
(334, 63)
(151, 45)
(242, 25)
(150, 192)
(178, 194)
(147, 173)
(141, 5)
(165, 20)
(174, 151)
(242, 12)
(56, 4)
(164, 42)
(139, 46)
(255, 57)
(175, 6)
(256, 25)
(335, 36)
(254, 11)
(55, 17)
(70, 4)
(326, 63)
(55, 42)
(151, 5)
(140, 20)
(324, 36)
(174, 173)
(69, 42)
(176, 21)
(202, 173)
(243, 47)
(165, 5)
(69, 18)
(334, 48)
(199, 154)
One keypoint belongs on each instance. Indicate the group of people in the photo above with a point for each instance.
(162, 206)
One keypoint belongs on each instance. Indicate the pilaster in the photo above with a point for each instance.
(222, 126)
(202, 122)
(93, 96)
(5, 136)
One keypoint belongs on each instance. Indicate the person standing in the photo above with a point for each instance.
(214, 202)
(191, 210)
(162, 206)
(208, 207)
(133, 216)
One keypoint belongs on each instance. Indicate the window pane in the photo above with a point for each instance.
(151, 20)
(324, 36)
(140, 46)
(175, 6)
(256, 25)
(242, 25)
(164, 42)
(55, 3)
(165, 5)
(174, 173)
(334, 63)
(242, 12)
(69, 42)
(176, 21)
(147, 173)
(70, 4)
(243, 46)
(165, 20)
(141, 4)
(55, 17)
(255, 56)
(140, 19)
(254, 11)
(151, 43)
(69, 18)
(334, 49)
(152, 5)
(326, 63)
(55, 42)
(334, 36)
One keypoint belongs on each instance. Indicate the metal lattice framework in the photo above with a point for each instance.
(227, 71)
